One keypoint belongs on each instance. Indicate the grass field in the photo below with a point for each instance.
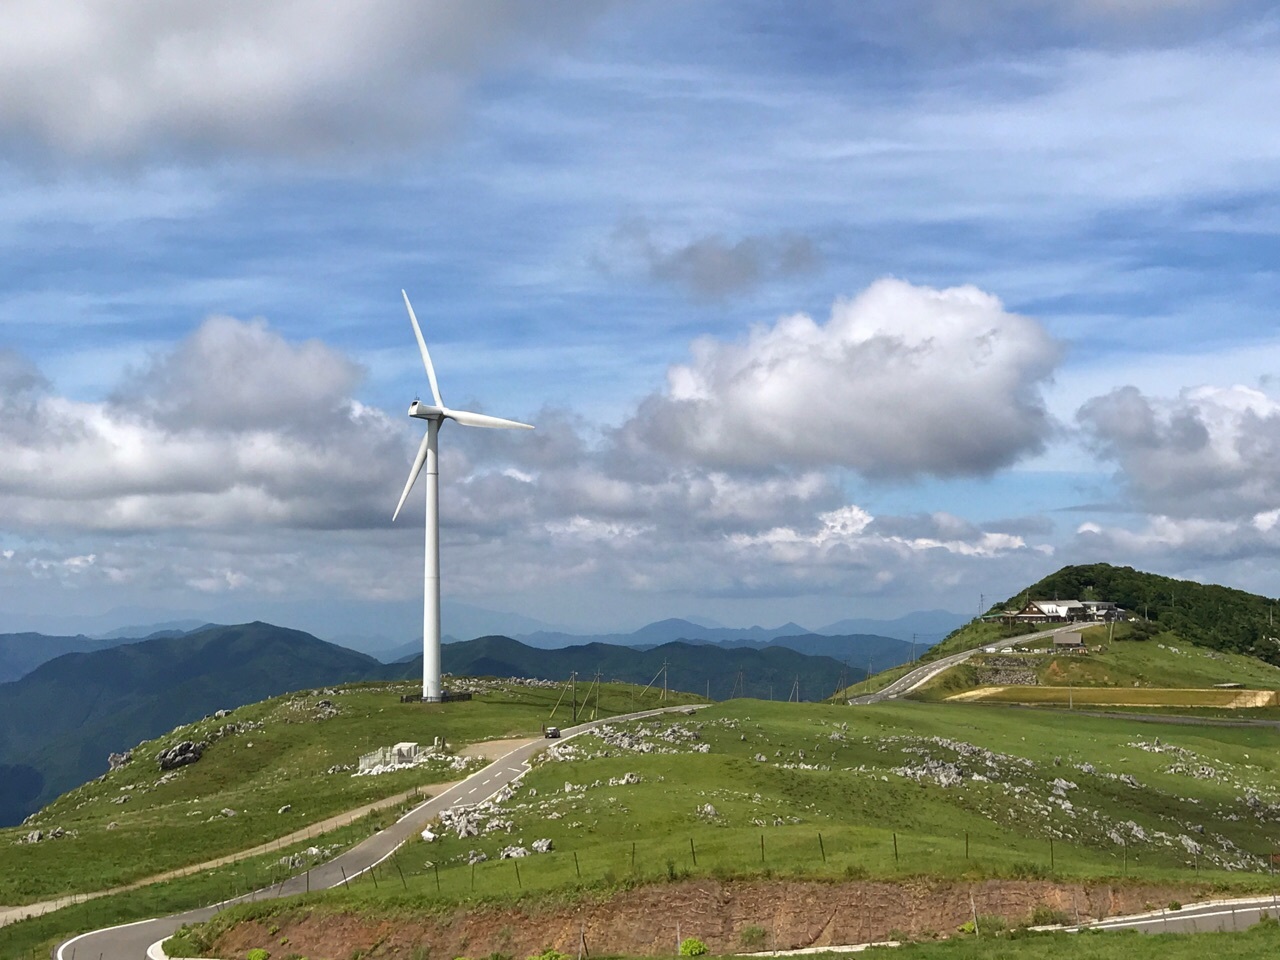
(745, 789)
(288, 751)
(38, 935)
(1162, 671)
(894, 791)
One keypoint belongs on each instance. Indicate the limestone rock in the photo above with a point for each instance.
(180, 754)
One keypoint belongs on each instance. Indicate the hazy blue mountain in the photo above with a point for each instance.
(928, 625)
(20, 653)
(698, 668)
(91, 704)
(662, 631)
(170, 628)
(861, 650)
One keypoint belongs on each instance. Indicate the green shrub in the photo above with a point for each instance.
(692, 947)
(550, 953)
(1175, 905)
(257, 953)
(752, 937)
(1045, 916)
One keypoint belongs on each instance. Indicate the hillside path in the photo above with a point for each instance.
(131, 941)
(490, 749)
(14, 914)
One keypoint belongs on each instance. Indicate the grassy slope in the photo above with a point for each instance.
(255, 773)
(858, 802)
(1206, 614)
(1164, 661)
(92, 704)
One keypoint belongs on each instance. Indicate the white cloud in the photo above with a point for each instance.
(234, 426)
(1210, 452)
(901, 381)
(281, 77)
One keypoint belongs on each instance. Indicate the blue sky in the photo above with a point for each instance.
(822, 309)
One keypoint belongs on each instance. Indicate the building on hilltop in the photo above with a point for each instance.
(1063, 611)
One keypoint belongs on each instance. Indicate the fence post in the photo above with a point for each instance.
(633, 856)
(822, 848)
(762, 848)
(895, 847)
(576, 869)
(436, 868)
(1051, 861)
(693, 852)
(517, 863)
(966, 844)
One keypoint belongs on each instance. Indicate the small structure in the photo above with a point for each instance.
(1068, 642)
(1063, 611)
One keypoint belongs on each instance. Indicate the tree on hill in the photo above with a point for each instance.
(1206, 614)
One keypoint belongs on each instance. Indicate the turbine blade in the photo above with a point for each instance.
(418, 461)
(469, 419)
(422, 347)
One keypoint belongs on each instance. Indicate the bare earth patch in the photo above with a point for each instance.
(1123, 696)
(647, 921)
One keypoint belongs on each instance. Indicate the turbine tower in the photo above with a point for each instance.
(435, 414)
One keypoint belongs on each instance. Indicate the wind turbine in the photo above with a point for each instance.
(435, 414)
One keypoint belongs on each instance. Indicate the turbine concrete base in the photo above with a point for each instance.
(446, 696)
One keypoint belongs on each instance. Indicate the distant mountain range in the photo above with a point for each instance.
(59, 722)
(714, 670)
(886, 642)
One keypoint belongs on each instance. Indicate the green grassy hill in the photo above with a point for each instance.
(298, 749)
(59, 722)
(896, 793)
(1207, 615)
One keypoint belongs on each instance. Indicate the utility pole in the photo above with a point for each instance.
(913, 648)
(664, 679)
(982, 604)
(573, 694)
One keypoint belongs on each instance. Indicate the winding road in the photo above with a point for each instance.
(131, 941)
(927, 671)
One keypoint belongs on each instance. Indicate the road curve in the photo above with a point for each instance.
(131, 941)
(927, 671)
(1209, 917)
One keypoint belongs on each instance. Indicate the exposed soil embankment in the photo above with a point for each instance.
(647, 921)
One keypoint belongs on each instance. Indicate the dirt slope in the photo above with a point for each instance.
(648, 920)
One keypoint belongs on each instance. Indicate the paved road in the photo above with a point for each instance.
(926, 672)
(130, 942)
(1207, 917)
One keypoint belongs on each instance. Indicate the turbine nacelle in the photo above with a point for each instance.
(428, 411)
(436, 413)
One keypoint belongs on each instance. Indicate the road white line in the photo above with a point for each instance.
(118, 926)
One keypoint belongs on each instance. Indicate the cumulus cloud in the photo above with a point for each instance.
(282, 77)
(901, 381)
(234, 426)
(1211, 452)
(238, 465)
(711, 267)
